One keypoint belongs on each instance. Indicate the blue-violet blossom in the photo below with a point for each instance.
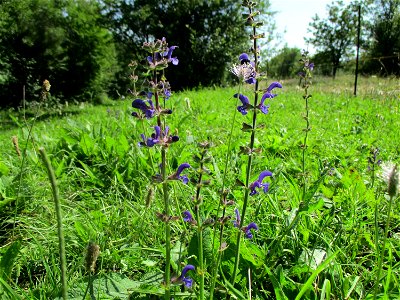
(158, 137)
(165, 57)
(268, 95)
(247, 231)
(186, 279)
(258, 183)
(178, 176)
(245, 103)
(147, 110)
(187, 216)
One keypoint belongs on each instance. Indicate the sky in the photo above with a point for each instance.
(293, 16)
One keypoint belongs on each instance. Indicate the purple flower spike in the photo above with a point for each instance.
(187, 216)
(247, 231)
(236, 223)
(311, 66)
(245, 101)
(258, 183)
(187, 280)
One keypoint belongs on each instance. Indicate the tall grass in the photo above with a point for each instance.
(102, 176)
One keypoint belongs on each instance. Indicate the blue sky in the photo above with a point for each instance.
(294, 17)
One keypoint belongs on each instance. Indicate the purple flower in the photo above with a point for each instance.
(245, 101)
(177, 175)
(147, 110)
(154, 139)
(158, 137)
(187, 216)
(168, 55)
(244, 58)
(268, 95)
(311, 66)
(258, 183)
(163, 58)
(236, 223)
(186, 279)
(247, 231)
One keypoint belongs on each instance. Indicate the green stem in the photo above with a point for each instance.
(219, 257)
(199, 229)
(249, 161)
(380, 263)
(63, 262)
(23, 161)
(167, 295)
(303, 169)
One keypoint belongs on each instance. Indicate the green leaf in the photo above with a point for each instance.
(7, 290)
(326, 290)
(233, 291)
(8, 259)
(279, 294)
(3, 169)
(309, 283)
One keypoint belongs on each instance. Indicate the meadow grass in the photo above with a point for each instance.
(332, 251)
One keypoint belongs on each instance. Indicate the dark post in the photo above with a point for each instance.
(358, 48)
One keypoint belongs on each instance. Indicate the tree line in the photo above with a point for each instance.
(84, 47)
(335, 38)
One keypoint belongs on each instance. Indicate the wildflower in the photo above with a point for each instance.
(186, 280)
(187, 216)
(245, 101)
(258, 183)
(177, 175)
(247, 231)
(163, 58)
(268, 95)
(245, 72)
(168, 55)
(244, 58)
(158, 137)
(147, 110)
(391, 176)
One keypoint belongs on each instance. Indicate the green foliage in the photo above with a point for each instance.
(383, 55)
(104, 176)
(336, 34)
(285, 64)
(212, 32)
(63, 42)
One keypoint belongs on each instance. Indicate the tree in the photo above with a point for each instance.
(285, 64)
(335, 35)
(209, 34)
(62, 41)
(384, 54)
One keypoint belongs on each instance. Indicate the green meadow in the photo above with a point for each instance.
(332, 250)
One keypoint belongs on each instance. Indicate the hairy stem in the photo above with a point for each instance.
(61, 242)
(199, 230)
(249, 161)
